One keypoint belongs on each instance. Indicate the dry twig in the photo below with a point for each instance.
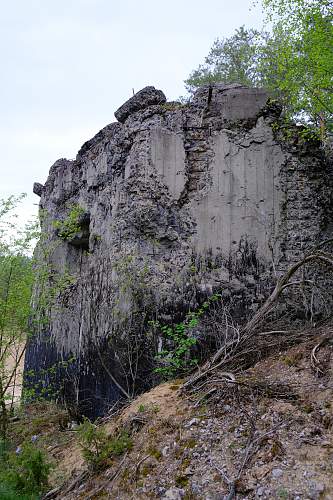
(137, 468)
(240, 351)
(315, 363)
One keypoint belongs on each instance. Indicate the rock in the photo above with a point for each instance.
(165, 451)
(38, 189)
(232, 102)
(141, 100)
(317, 488)
(276, 473)
(174, 494)
(260, 491)
(73, 426)
(193, 421)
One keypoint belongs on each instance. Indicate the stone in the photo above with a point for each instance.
(260, 491)
(180, 202)
(165, 451)
(317, 487)
(193, 421)
(148, 96)
(174, 494)
(232, 102)
(38, 188)
(276, 473)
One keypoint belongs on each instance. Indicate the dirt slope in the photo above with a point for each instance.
(270, 436)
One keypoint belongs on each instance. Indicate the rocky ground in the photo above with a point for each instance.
(269, 436)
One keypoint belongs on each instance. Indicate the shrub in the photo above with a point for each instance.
(98, 449)
(24, 474)
(177, 358)
(7, 492)
(68, 227)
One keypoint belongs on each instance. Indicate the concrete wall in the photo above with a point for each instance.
(183, 201)
(168, 158)
(243, 199)
(242, 195)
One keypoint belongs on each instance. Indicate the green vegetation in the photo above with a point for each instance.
(70, 226)
(294, 62)
(16, 278)
(98, 449)
(24, 473)
(155, 452)
(176, 358)
(303, 58)
(181, 481)
(231, 60)
(39, 392)
(18, 271)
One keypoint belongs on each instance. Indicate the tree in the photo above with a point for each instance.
(232, 60)
(16, 278)
(302, 57)
(294, 62)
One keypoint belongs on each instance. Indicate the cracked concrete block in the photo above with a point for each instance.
(141, 100)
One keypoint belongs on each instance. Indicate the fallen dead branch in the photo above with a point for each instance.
(64, 490)
(315, 363)
(244, 348)
(214, 388)
(52, 493)
(108, 483)
(137, 467)
(254, 442)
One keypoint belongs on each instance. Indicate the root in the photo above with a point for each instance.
(242, 350)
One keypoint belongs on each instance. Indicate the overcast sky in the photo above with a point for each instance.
(67, 65)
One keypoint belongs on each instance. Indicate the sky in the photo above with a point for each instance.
(67, 65)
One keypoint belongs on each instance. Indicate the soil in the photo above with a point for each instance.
(269, 436)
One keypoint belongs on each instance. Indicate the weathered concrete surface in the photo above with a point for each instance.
(180, 201)
(144, 98)
(38, 188)
(168, 157)
(231, 102)
(242, 197)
